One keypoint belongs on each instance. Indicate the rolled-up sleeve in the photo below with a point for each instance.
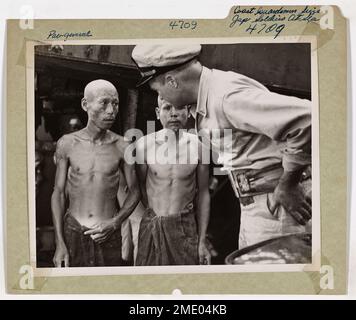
(280, 117)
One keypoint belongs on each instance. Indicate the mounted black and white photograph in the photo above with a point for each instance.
(174, 156)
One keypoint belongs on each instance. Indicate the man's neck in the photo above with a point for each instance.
(193, 106)
(94, 133)
(197, 83)
(178, 134)
(193, 85)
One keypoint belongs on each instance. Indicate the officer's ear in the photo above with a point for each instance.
(84, 104)
(171, 81)
(157, 112)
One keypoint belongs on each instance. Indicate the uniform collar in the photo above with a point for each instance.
(203, 91)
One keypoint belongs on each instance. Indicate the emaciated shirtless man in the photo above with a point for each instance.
(174, 186)
(86, 215)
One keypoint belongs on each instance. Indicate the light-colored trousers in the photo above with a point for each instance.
(258, 223)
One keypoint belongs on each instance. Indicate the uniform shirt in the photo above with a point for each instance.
(263, 128)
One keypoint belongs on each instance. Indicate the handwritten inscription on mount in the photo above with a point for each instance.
(261, 20)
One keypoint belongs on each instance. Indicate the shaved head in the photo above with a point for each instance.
(97, 87)
(101, 103)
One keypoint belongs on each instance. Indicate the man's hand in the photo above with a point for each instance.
(289, 194)
(204, 253)
(61, 255)
(101, 231)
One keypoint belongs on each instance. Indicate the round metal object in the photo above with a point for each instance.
(289, 249)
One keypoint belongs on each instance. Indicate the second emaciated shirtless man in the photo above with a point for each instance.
(174, 186)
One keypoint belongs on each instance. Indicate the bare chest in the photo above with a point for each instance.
(88, 158)
(182, 152)
(172, 171)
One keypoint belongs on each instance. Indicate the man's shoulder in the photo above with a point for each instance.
(68, 136)
(224, 76)
(114, 137)
(64, 146)
(194, 142)
(66, 140)
(230, 89)
(227, 81)
(149, 137)
(227, 75)
(143, 142)
(121, 142)
(191, 137)
(73, 136)
(220, 84)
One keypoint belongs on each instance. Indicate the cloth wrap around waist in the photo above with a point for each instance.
(84, 251)
(168, 240)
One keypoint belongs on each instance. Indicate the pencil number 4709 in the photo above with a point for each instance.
(183, 24)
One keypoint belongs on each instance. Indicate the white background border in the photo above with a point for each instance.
(202, 9)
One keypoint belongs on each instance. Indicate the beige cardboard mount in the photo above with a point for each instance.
(323, 27)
